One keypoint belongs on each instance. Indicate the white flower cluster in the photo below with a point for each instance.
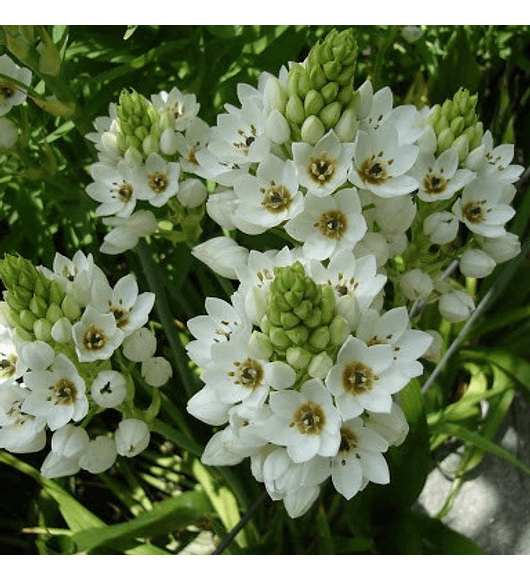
(11, 95)
(372, 197)
(69, 342)
(146, 155)
(301, 370)
(376, 183)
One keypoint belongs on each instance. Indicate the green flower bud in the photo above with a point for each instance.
(27, 320)
(54, 313)
(313, 102)
(330, 114)
(38, 306)
(141, 132)
(327, 305)
(344, 95)
(330, 91)
(445, 140)
(15, 303)
(71, 308)
(56, 294)
(289, 320)
(298, 335)
(298, 357)
(317, 78)
(279, 338)
(461, 144)
(319, 366)
(312, 130)
(319, 338)
(457, 125)
(303, 84)
(332, 69)
(42, 329)
(294, 110)
(338, 330)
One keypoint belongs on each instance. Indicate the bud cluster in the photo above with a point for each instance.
(456, 124)
(319, 93)
(300, 318)
(69, 344)
(146, 156)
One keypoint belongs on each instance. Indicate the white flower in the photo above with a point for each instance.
(221, 207)
(373, 244)
(129, 308)
(355, 281)
(393, 426)
(393, 215)
(18, 430)
(99, 456)
(439, 178)
(132, 437)
(297, 484)
(108, 389)
(218, 325)
(157, 181)
(360, 457)
(488, 160)
(114, 187)
(8, 133)
(502, 248)
(393, 328)
(140, 345)
(240, 439)
(277, 127)
(180, 108)
(96, 335)
(105, 137)
(380, 164)
(11, 365)
(482, 209)
(239, 135)
(222, 254)
(268, 198)
(75, 275)
(476, 263)
(237, 372)
(362, 378)
(324, 167)
(328, 225)
(306, 422)
(456, 306)
(67, 445)
(10, 94)
(156, 371)
(57, 394)
(36, 355)
(62, 330)
(192, 192)
(128, 231)
(206, 406)
(441, 227)
(416, 284)
(195, 139)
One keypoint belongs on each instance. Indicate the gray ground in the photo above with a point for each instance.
(493, 506)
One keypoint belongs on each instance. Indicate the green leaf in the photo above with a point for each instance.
(165, 517)
(473, 438)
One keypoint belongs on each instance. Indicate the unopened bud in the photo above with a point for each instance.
(298, 357)
(312, 130)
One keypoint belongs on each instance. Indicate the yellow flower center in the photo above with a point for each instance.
(357, 378)
(332, 224)
(309, 419)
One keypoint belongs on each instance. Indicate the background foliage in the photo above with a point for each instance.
(164, 499)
